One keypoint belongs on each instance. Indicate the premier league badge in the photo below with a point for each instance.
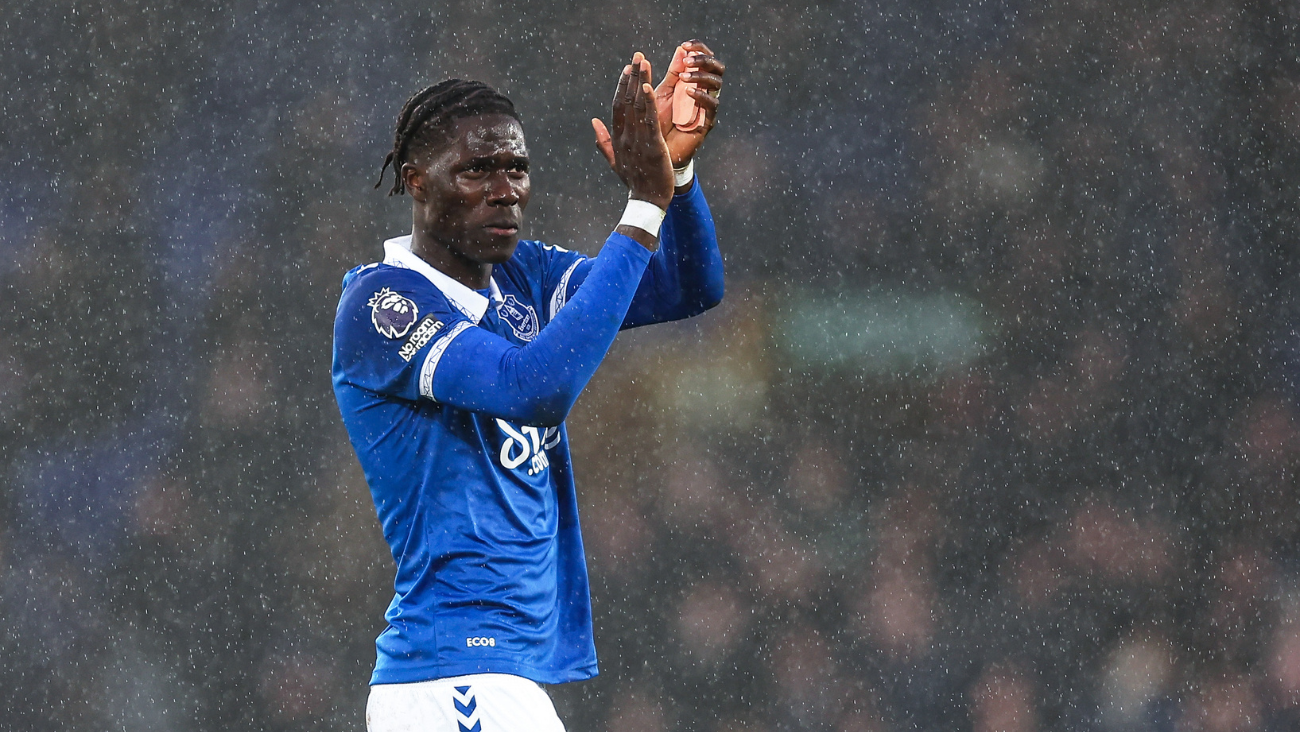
(520, 317)
(391, 313)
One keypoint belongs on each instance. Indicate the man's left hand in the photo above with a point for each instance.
(692, 62)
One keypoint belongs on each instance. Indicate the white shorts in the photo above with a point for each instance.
(476, 703)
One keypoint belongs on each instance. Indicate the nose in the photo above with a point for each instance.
(503, 190)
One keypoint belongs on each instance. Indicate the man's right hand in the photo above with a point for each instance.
(635, 148)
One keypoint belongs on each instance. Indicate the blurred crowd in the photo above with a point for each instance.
(1086, 521)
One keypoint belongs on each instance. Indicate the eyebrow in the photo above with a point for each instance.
(494, 158)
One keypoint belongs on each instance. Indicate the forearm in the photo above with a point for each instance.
(537, 384)
(685, 277)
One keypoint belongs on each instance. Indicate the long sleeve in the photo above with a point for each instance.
(685, 277)
(538, 383)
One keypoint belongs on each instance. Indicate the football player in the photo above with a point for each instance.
(457, 359)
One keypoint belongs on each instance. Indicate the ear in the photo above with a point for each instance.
(413, 179)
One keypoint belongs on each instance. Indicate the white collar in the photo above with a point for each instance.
(397, 252)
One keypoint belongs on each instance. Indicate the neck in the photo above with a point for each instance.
(474, 275)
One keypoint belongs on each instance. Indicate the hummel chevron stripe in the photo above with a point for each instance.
(466, 710)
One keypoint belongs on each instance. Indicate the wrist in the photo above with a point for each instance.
(646, 216)
(649, 242)
(655, 199)
(683, 176)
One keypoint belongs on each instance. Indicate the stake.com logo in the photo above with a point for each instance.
(527, 444)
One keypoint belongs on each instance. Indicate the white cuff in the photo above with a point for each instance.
(682, 176)
(643, 215)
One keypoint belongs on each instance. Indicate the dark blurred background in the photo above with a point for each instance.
(995, 431)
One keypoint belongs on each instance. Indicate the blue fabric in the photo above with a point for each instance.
(685, 275)
(539, 384)
(474, 487)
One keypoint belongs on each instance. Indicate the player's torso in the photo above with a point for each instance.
(479, 511)
(468, 472)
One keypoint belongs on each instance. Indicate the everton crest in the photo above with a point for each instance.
(391, 313)
(521, 318)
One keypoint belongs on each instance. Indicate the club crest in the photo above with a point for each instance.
(391, 313)
(521, 318)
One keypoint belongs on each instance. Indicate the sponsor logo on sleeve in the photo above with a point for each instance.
(423, 333)
(392, 313)
(521, 318)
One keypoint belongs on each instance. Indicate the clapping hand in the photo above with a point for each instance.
(693, 63)
(634, 144)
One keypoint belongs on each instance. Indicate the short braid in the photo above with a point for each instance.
(426, 119)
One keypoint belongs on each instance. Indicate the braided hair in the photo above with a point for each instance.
(426, 119)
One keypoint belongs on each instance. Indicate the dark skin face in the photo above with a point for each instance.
(468, 198)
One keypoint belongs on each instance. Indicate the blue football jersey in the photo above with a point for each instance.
(475, 493)
(481, 513)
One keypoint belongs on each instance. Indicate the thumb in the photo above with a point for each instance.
(603, 142)
(675, 68)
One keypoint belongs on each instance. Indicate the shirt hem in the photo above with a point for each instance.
(408, 675)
